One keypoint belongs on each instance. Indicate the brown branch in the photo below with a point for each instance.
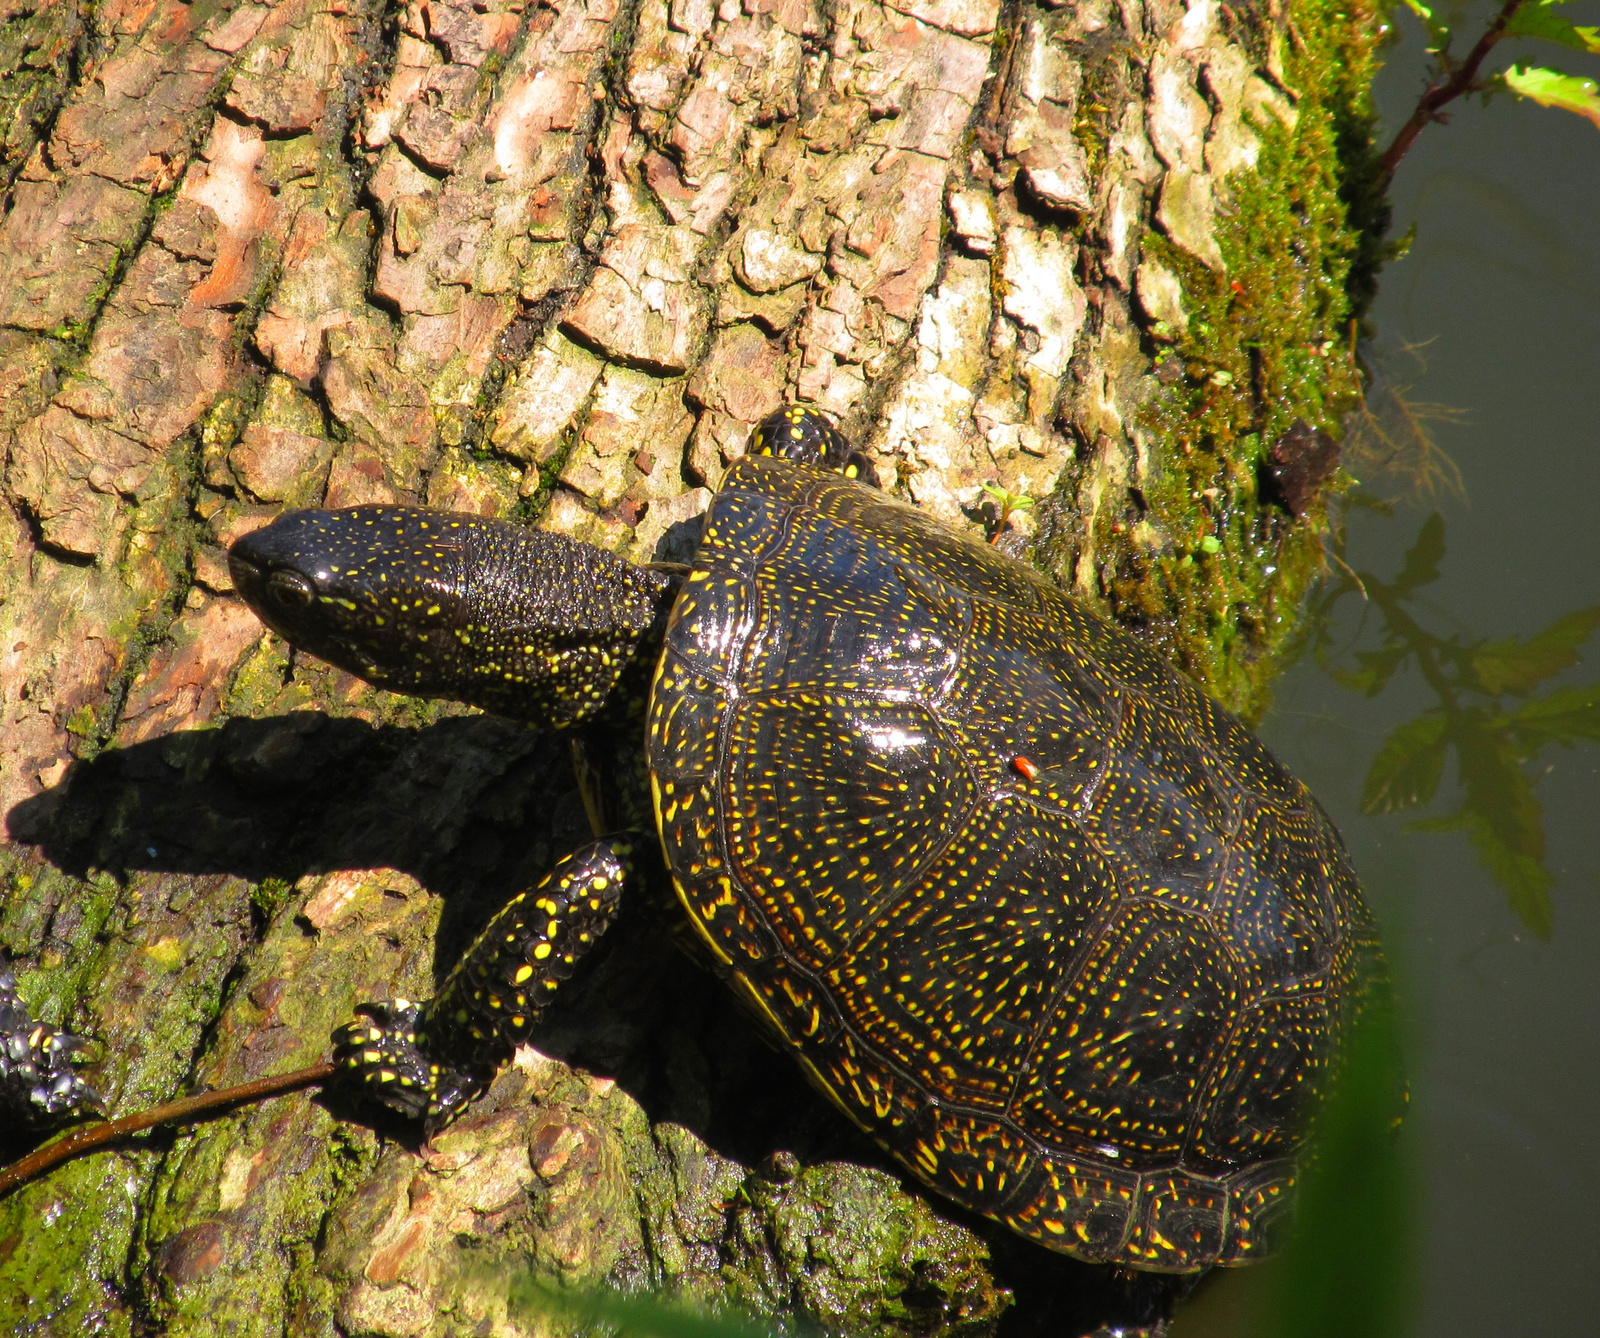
(1463, 79)
(97, 1135)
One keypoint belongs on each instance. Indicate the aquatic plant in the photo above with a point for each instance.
(1453, 78)
(1495, 712)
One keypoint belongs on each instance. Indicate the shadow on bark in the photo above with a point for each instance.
(475, 808)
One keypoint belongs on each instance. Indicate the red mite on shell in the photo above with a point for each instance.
(1026, 768)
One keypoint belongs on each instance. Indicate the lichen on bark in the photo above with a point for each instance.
(552, 261)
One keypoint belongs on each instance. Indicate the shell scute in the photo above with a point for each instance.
(1183, 1223)
(833, 806)
(1085, 1208)
(1122, 1059)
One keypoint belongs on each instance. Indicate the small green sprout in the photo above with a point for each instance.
(1009, 503)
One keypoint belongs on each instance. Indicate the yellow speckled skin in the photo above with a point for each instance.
(1043, 919)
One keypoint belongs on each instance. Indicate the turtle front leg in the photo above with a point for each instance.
(428, 1060)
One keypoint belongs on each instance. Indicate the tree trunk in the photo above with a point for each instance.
(552, 261)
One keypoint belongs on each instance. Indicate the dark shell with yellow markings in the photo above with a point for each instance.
(1042, 918)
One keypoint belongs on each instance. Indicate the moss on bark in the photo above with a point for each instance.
(553, 262)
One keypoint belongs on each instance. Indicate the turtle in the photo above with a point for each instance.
(1027, 905)
(39, 1087)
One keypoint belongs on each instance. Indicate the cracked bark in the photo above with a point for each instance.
(549, 261)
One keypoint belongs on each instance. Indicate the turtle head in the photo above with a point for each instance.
(805, 435)
(440, 604)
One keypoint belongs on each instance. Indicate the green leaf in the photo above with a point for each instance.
(1011, 501)
(1422, 561)
(1499, 792)
(1350, 1269)
(1526, 881)
(1540, 20)
(1406, 771)
(1520, 666)
(1444, 822)
(1563, 716)
(1524, 878)
(1551, 88)
(1438, 31)
(1377, 668)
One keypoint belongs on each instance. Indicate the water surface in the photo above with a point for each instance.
(1501, 296)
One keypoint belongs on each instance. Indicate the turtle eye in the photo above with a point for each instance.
(289, 590)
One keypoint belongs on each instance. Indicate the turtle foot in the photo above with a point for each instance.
(38, 1086)
(382, 1052)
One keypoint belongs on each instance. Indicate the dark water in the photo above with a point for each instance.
(1502, 288)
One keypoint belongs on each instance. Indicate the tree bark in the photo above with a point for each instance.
(552, 261)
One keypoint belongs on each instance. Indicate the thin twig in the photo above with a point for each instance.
(97, 1135)
(1463, 79)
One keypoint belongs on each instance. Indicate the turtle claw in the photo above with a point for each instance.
(38, 1085)
(492, 998)
(382, 1052)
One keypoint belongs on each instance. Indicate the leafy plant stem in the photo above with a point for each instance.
(1422, 642)
(1461, 79)
(1488, 712)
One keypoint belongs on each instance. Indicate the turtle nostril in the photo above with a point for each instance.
(289, 590)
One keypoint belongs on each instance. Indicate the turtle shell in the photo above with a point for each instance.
(1048, 923)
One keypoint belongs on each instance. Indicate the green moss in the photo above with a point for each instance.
(222, 427)
(65, 1239)
(60, 945)
(474, 482)
(1092, 124)
(59, 1233)
(1216, 573)
(846, 1248)
(258, 682)
(77, 332)
(537, 500)
(268, 897)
